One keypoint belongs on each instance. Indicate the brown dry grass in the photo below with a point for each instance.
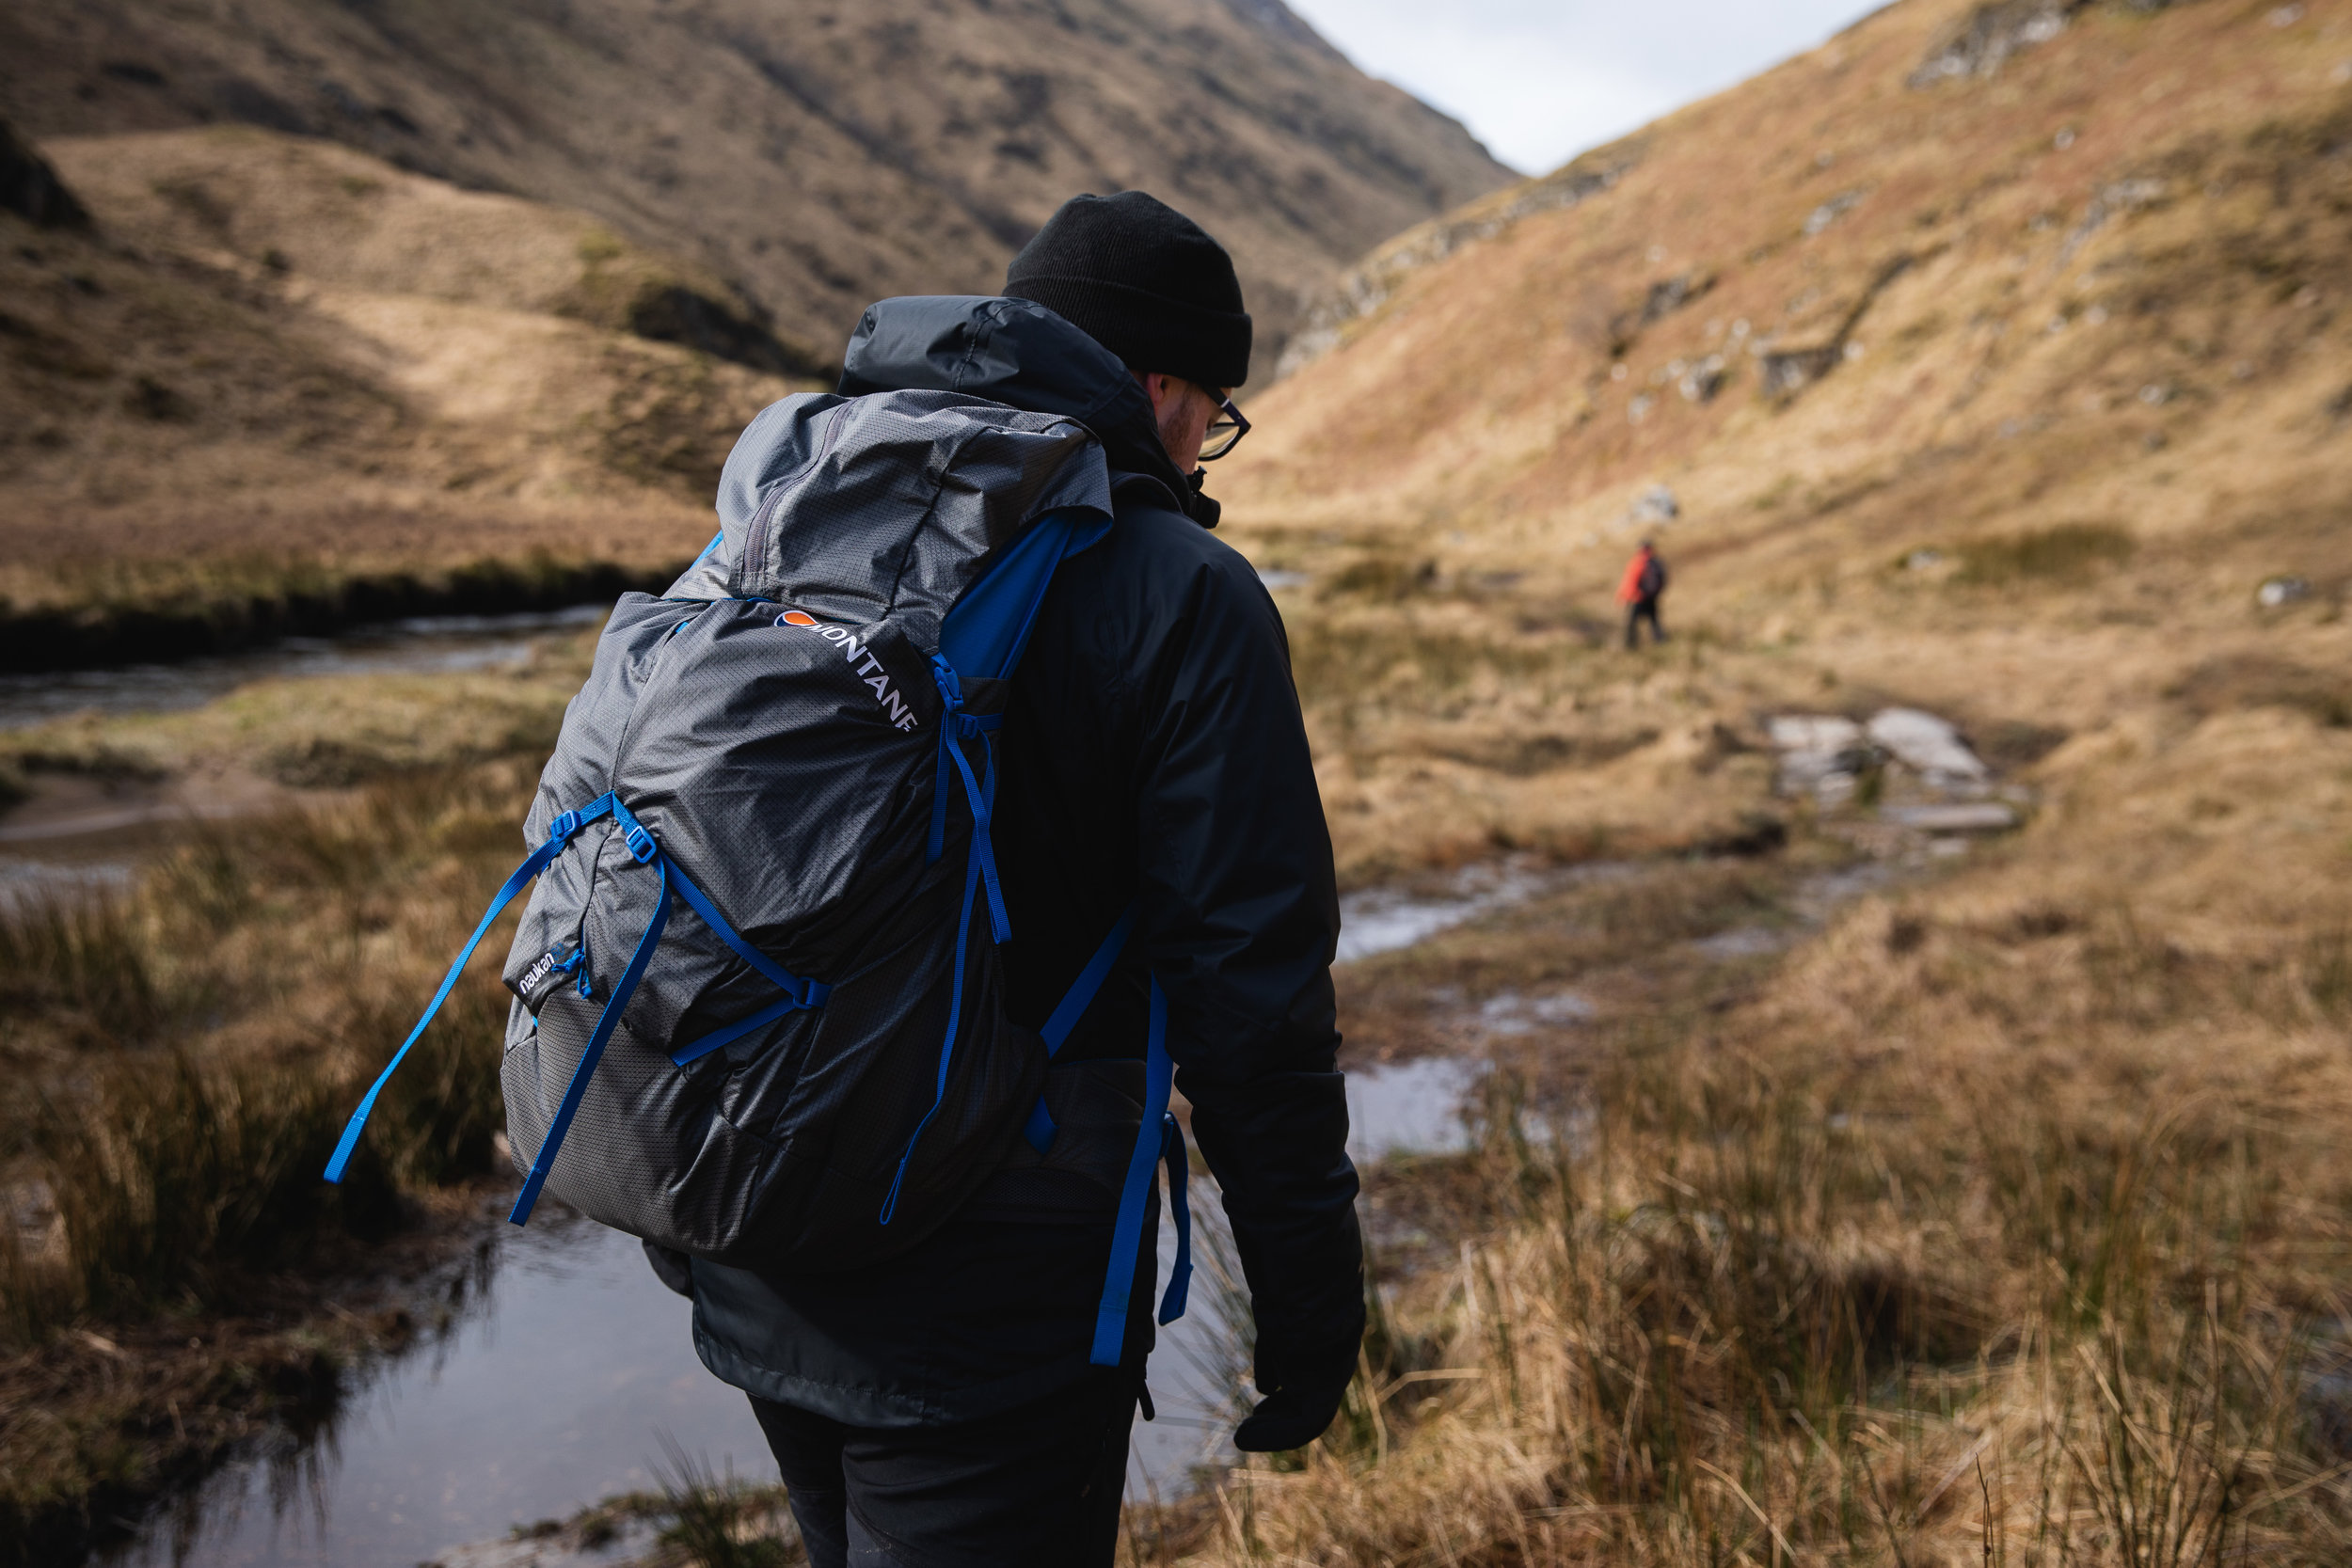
(2003, 1221)
(278, 368)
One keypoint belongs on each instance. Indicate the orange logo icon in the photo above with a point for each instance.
(797, 618)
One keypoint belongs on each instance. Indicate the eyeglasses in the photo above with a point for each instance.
(1226, 431)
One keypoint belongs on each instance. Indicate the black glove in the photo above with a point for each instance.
(1292, 1416)
(1303, 1367)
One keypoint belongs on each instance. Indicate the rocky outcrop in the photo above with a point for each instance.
(1359, 293)
(1903, 770)
(1993, 33)
(31, 189)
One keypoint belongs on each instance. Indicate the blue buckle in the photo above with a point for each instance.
(813, 993)
(950, 689)
(563, 828)
(640, 844)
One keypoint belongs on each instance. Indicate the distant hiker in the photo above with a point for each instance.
(1644, 581)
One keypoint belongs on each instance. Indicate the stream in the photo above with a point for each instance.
(567, 1373)
(436, 644)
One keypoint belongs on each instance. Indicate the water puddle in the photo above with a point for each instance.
(561, 1384)
(1381, 920)
(554, 1391)
(1410, 1108)
(437, 644)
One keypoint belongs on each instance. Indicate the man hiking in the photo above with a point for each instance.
(939, 1407)
(1644, 579)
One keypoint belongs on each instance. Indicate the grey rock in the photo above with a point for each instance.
(1959, 816)
(1790, 371)
(1702, 381)
(1831, 210)
(2281, 591)
(1990, 36)
(1928, 745)
(1666, 296)
(1654, 505)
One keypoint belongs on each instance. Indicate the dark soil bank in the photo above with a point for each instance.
(191, 627)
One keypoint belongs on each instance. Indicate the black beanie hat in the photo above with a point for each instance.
(1143, 280)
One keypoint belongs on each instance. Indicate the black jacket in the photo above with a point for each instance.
(1152, 750)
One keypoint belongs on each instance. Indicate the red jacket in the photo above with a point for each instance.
(1636, 585)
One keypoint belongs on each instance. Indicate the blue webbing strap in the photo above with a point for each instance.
(647, 851)
(622, 990)
(947, 1047)
(727, 1034)
(1039, 1129)
(1179, 1277)
(982, 797)
(805, 993)
(558, 836)
(1110, 1318)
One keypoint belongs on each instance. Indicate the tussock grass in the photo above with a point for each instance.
(1721, 1322)
(2064, 552)
(718, 1521)
(190, 1053)
(80, 959)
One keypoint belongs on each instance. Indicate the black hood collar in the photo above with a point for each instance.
(1017, 352)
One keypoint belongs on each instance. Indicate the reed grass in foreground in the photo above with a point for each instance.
(1784, 1292)
(185, 1057)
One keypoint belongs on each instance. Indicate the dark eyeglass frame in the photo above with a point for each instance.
(1224, 435)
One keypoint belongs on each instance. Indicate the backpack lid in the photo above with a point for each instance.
(893, 505)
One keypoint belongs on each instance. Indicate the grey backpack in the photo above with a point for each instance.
(757, 1010)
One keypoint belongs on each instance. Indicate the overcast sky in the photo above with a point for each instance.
(1539, 81)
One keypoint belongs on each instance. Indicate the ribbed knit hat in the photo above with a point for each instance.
(1143, 280)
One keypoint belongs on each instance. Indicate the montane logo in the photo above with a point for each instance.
(869, 669)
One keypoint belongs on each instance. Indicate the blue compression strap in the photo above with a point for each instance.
(1110, 1318)
(727, 1034)
(622, 990)
(1080, 996)
(956, 726)
(1179, 1277)
(709, 550)
(947, 1047)
(559, 837)
(804, 993)
(648, 850)
(983, 798)
(1039, 1129)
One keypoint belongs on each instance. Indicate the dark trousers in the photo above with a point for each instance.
(1038, 1486)
(1643, 609)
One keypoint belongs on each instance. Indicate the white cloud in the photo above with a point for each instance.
(1539, 83)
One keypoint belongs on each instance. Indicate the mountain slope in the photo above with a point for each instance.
(255, 368)
(1999, 390)
(818, 156)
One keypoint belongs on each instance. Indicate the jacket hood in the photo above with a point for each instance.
(1019, 352)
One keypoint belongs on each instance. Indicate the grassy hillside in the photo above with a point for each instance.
(818, 156)
(2006, 392)
(274, 382)
(1990, 360)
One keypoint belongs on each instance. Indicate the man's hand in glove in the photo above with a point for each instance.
(1292, 1416)
(1302, 1388)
